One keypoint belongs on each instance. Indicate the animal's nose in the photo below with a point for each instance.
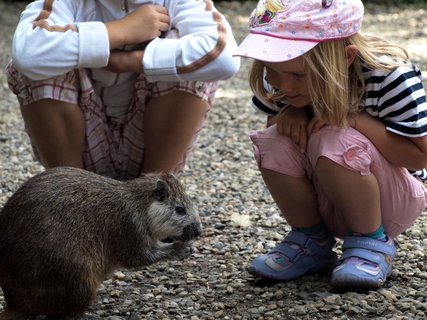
(192, 231)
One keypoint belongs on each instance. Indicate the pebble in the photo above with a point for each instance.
(239, 217)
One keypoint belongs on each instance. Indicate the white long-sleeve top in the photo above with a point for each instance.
(72, 34)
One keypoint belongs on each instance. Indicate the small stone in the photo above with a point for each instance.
(119, 275)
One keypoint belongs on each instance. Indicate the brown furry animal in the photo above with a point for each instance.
(65, 230)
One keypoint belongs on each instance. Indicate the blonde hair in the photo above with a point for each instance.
(336, 89)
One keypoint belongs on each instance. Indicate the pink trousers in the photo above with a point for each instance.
(403, 197)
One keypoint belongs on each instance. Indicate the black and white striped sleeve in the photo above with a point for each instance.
(398, 99)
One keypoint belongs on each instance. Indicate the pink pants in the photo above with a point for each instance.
(403, 197)
(113, 149)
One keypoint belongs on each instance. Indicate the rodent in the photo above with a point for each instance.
(65, 230)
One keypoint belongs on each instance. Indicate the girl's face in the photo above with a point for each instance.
(289, 77)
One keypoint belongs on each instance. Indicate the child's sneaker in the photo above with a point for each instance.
(297, 255)
(364, 264)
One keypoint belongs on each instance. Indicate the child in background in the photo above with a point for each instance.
(118, 87)
(345, 143)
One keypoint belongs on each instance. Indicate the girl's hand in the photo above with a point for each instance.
(125, 61)
(147, 22)
(315, 125)
(292, 122)
(352, 119)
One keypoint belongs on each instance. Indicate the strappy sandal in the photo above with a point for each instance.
(364, 264)
(297, 255)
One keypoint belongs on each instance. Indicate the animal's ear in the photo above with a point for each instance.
(162, 190)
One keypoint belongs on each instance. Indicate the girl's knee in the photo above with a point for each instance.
(344, 146)
(66, 87)
(277, 152)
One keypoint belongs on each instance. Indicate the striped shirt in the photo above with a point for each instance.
(397, 98)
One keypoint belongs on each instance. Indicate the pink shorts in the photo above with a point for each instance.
(403, 197)
(113, 149)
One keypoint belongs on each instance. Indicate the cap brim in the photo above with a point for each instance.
(266, 48)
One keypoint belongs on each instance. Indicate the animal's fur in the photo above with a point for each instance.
(65, 230)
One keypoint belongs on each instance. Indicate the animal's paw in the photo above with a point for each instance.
(181, 250)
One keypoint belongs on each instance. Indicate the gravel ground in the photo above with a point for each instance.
(238, 214)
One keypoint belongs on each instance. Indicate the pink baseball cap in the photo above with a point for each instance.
(281, 30)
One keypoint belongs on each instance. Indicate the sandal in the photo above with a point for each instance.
(297, 255)
(364, 264)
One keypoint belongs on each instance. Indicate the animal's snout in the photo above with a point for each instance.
(192, 231)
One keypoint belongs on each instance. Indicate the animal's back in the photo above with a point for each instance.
(56, 207)
(51, 236)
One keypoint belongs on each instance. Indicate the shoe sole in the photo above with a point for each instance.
(356, 283)
(324, 269)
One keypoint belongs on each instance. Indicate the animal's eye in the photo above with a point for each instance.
(180, 210)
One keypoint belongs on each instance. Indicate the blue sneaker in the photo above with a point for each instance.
(364, 264)
(297, 255)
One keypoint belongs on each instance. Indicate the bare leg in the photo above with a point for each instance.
(170, 123)
(298, 253)
(295, 197)
(57, 129)
(356, 196)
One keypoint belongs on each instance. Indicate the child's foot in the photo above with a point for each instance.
(364, 264)
(294, 257)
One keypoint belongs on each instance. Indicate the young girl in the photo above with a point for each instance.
(118, 87)
(346, 137)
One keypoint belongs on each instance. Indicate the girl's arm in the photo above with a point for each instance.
(407, 152)
(203, 50)
(47, 41)
(52, 40)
